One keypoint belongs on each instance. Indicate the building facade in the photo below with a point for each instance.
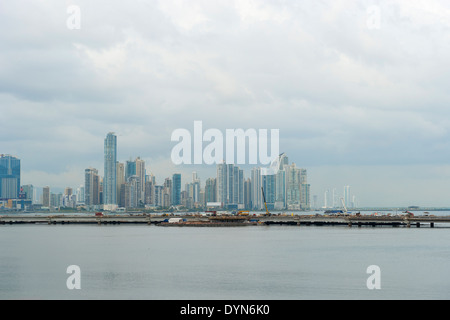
(9, 177)
(110, 176)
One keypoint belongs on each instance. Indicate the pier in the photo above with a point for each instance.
(407, 221)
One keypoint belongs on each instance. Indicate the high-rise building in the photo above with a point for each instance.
(280, 196)
(130, 169)
(167, 193)
(257, 198)
(46, 197)
(110, 177)
(292, 187)
(9, 177)
(210, 190)
(132, 192)
(268, 183)
(230, 185)
(248, 194)
(140, 173)
(80, 195)
(120, 179)
(91, 187)
(176, 189)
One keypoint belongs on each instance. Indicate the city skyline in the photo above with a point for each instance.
(358, 91)
(285, 189)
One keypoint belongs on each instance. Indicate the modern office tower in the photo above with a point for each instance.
(110, 177)
(80, 195)
(280, 189)
(222, 183)
(159, 196)
(210, 190)
(176, 189)
(297, 188)
(149, 198)
(237, 192)
(268, 183)
(9, 177)
(292, 187)
(91, 187)
(167, 193)
(56, 200)
(305, 196)
(130, 169)
(120, 178)
(132, 192)
(46, 197)
(140, 173)
(230, 185)
(257, 198)
(248, 194)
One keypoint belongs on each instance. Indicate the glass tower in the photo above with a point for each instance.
(176, 189)
(9, 177)
(110, 178)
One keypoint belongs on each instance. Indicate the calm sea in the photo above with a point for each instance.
(259, 262)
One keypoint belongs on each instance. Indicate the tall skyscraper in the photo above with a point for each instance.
(91, 187)
(110, 177)
(210, 190)
(46, 197)
(140, 173)
(176, 189)
(256, 194)
(9, 177)
(120, 179)
(230, 185)
(248, 194)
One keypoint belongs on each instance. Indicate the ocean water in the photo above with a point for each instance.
(259, 262)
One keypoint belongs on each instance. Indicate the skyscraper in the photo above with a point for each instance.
(140, 173)
(256, 193)
(210, 190)
(110, 177)
(9, 177)
(230, 185)
(176, 189)
(91, 187)
(46, 197)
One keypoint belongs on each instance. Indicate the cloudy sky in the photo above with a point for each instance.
(358, 89)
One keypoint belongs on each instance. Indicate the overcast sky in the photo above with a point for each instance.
(358, 89)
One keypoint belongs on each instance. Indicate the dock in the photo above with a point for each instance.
(228, 220)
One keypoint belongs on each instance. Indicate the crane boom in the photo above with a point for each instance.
(264, 197)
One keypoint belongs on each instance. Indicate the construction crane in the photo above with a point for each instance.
(264, 197)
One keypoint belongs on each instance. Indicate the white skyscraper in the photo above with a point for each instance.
(110, 177)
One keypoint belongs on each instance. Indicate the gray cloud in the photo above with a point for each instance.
(340, 92)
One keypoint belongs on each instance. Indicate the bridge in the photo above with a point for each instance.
(279, 219)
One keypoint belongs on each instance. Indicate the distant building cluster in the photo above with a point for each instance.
(126, 186)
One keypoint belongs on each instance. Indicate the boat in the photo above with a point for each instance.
(213, 221)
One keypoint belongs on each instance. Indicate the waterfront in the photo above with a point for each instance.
(268, 262)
